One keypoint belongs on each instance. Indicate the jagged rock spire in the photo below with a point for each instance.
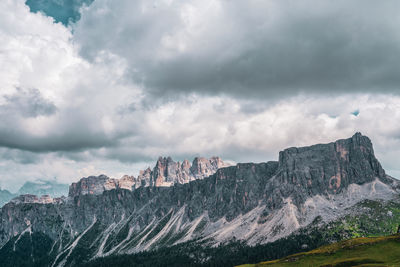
(166, 172)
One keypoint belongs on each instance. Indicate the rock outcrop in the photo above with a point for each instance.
(126, 182)
(44, 199)
(93, 185)
(144, 178)
(203, 167)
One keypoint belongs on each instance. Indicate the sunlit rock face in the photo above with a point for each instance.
(168, 172)
(144, 178)
(165, 173)
(203, 167)
(93, 185)
(126, 182)
(29, 198)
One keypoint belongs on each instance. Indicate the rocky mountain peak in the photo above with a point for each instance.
(202, 167)
(90, 185)
(185, 164)
(327, 168)
(165, 173)
(127, 182)
(144, 178)
(342, 146)
(168, 172)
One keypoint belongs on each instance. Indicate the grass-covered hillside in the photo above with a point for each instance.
(362, 251)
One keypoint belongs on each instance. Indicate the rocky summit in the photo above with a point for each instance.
(165, 173)
(204, 202)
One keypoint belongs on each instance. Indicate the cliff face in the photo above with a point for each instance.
(168, 172)
(330, 167)
(326, 168)
(92, 185)
(256, 203)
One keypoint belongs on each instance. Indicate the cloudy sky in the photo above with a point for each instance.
(107, 86)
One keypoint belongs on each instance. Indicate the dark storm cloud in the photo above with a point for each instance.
(21, 157)
(251, 48)
(67, 141)
(73, 130)
(27, 103)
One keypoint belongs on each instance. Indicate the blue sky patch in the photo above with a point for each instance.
(64, 11)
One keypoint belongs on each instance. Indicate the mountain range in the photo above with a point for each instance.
(165, 173)
(38, 187)
(190, 213)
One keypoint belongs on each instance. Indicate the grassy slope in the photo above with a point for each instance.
(364, 251)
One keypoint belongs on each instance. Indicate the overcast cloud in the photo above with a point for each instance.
(132, 80)
(249, 48)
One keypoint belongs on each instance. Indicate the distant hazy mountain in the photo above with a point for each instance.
(41, 187)
(5, 196)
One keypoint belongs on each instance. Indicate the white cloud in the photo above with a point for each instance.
(40, 55)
